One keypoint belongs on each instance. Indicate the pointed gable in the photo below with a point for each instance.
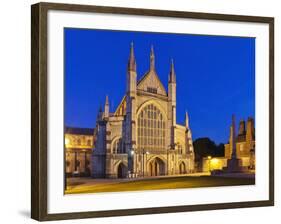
(150, 81)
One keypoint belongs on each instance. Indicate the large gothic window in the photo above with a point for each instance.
(151, 128)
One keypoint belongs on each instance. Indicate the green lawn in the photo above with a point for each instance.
(155, 184)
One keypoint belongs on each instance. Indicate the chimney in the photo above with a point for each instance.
(250, 132)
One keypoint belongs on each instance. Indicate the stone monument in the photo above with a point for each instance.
(233, 164)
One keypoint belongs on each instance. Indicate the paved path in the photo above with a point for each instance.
(89, 185)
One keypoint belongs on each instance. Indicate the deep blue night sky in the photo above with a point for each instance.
(215, 75)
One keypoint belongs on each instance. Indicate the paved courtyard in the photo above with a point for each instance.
(89, 185)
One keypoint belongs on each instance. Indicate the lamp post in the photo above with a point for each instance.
(144, 153)
(167, 162)
(85, 162)
(132, 158)
(142, 162)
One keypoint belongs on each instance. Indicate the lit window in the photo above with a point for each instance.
(89, 142)
(67, 141)
(241, 147)
(152, 90)
(180, 148)
(79, 142)
(152, 128)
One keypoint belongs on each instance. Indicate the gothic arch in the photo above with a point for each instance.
(156, 166)
(121, 170)
(116, 163)
(156, 156)
(116, 145)
(154, 102)
(124, 166)
(182, 167)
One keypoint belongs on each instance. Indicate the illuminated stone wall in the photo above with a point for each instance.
(245, 144)
(216, 163)
(141, 138)
(78, 152)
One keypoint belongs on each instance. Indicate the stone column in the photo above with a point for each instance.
(233, 139)
(233, 164)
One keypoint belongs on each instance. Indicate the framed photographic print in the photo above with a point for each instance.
(153, 111)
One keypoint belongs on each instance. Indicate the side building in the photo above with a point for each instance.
(245, 144)
(245, 149)
(79, 144)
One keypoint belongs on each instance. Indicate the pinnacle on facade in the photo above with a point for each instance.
(100, 108)
(106, 107)
(132, 65)
(106, 100)
(172, 74)
(99, 115)
(186, 120)
(152, 59)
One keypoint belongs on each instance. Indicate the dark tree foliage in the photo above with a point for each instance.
(204, 147)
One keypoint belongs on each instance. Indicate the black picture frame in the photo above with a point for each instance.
(39, 107)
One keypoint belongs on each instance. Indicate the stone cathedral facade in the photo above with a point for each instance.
(142, 138)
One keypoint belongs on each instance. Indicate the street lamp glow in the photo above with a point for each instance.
(132, 152)
(67, 141)
(209, 157)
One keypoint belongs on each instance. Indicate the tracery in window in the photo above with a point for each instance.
(151, 90)
(151, 128)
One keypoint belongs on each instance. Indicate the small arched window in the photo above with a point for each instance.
(89, 142)
(79, 141)
(118, 146)
(180, 148)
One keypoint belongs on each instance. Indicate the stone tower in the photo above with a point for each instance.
(130, 135)
(172, 104)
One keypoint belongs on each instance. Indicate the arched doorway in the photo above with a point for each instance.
(121, 171)
(156, 167)
(182, 168)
